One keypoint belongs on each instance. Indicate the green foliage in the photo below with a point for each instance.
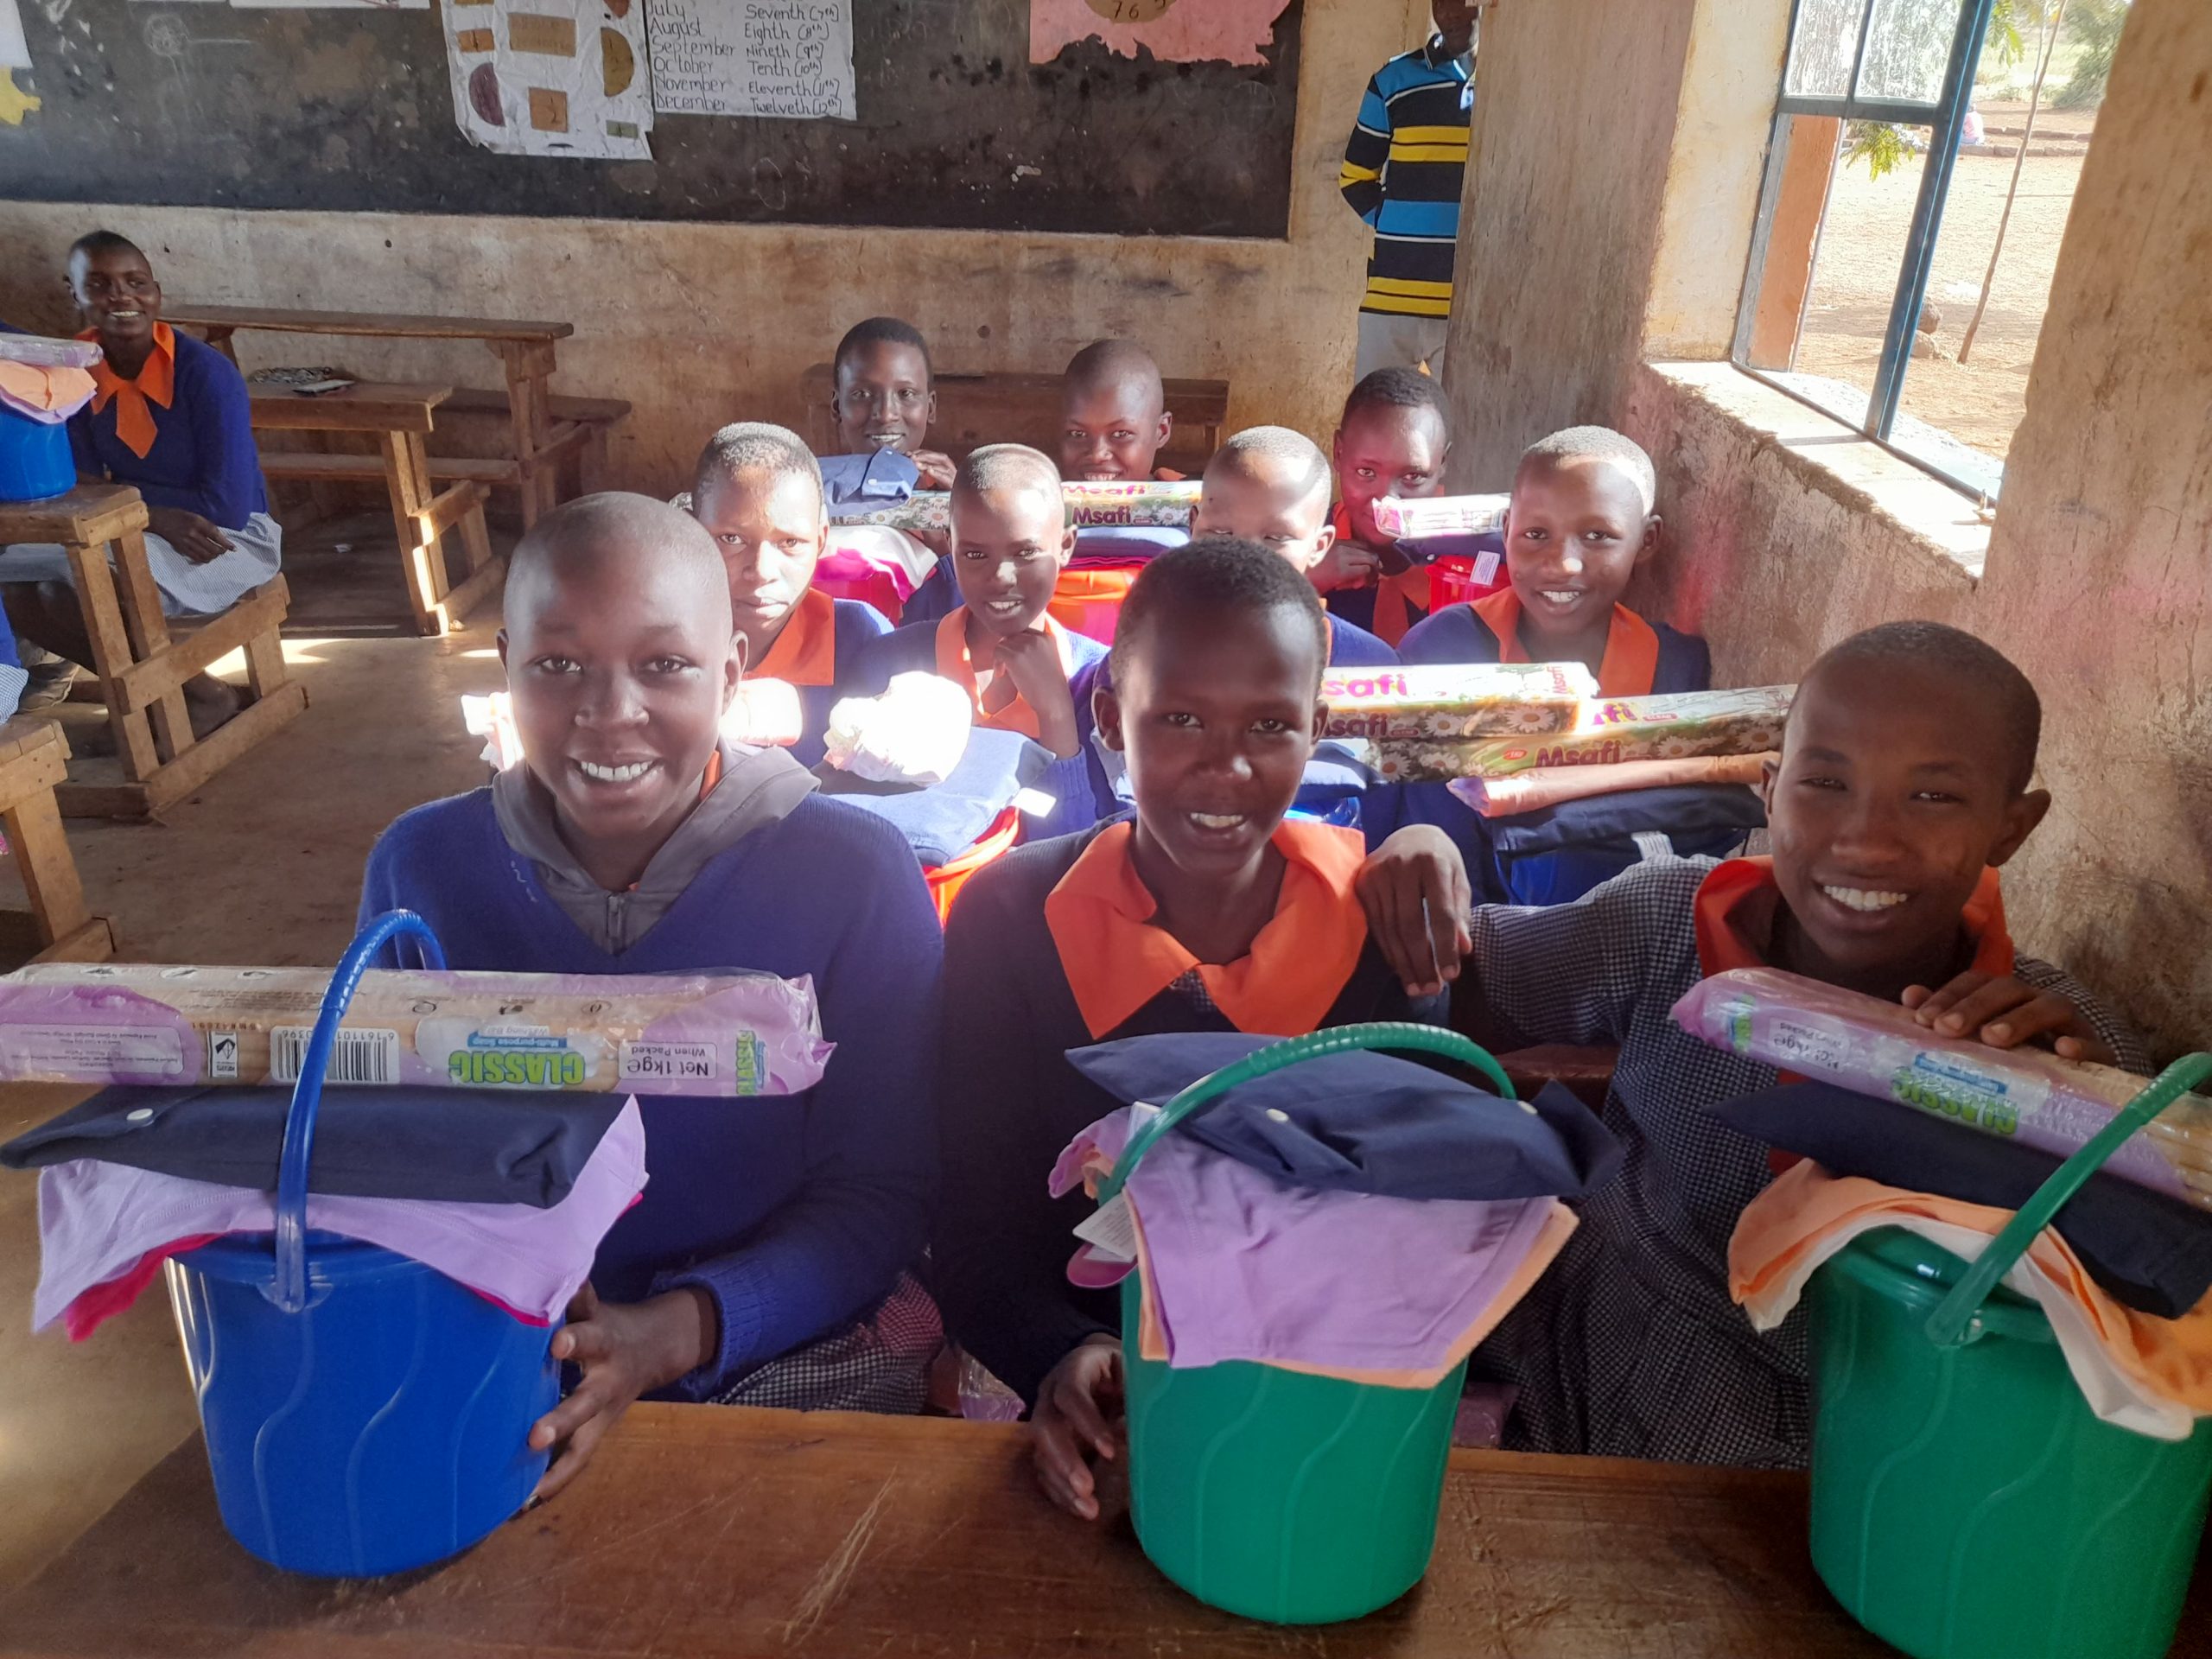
(2094, 25)
(1881, 144)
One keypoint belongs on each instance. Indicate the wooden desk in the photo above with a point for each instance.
(34, 763)
(525, 350)
(974, 410)
(708, 1531)
(141, 670)
(399, 415)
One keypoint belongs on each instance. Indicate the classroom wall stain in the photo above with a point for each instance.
(698, 324)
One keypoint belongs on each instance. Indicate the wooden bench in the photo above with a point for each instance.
(139, 669)
(543, 434)
(398, 415)
(578, 443)
(34, 763)
(974, 410)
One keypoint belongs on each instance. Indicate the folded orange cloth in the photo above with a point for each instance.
(58, 391)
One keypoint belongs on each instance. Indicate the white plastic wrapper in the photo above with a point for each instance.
(915, 733)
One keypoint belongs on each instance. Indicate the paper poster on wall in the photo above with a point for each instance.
(332, 5)
(1177, 31)
(551, 77)
(751, 57)
(14, 54)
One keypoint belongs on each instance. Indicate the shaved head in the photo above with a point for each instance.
(1007, 466)
(1116, 365)
(589, 540)
(1275, 458)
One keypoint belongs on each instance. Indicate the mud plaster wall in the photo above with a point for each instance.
(2097, 567)
(696, 325)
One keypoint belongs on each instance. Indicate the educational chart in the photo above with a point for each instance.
(551, 77)
(1175, 31)
(789, 58)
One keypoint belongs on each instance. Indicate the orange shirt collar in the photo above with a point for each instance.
(1725, 899)
(1400, 601)
(155, 383)
(805, 653)
(1116, 961)
(1631, 660)
(953, 663)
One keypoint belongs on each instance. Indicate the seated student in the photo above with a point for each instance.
(1113, 414)
(1010, 542)
(1270, 485)
(171, 419)
(763, 1264)
(757, 490)
(1393, 440)
(1902, 785)
(1583, 518)
(1210, 913)
(885, 398)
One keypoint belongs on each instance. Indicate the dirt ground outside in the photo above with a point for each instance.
(1862, 247)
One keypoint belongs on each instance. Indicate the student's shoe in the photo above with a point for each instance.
(46, 677)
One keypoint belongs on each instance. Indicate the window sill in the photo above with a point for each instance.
(1837, 462)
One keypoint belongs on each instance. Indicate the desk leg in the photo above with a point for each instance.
(149, 632)
(49, 873)
(407, 472)
(529, 365)
(95, 584)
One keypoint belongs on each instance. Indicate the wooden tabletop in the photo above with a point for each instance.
(89, 512)
(377, 324)
(705, 1531)
(364, 406)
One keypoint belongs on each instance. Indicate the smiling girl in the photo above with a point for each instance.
(1208, 912)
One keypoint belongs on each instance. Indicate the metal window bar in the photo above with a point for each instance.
(1945, 119)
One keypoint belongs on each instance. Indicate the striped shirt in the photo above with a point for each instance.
(1403, 171)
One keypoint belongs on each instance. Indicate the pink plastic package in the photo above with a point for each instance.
(1876, 1048)
(723, 1035)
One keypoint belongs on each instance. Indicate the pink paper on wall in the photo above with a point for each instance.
(1181, 31)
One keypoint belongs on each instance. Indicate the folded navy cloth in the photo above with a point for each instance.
(943, 820)
(456, 1146)
(1366, 1121)
(2152, 1252)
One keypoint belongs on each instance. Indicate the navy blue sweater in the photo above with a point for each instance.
(795, 1213)
(203, 458)
(858, 625)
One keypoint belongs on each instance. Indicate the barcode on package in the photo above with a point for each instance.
(366, 1056)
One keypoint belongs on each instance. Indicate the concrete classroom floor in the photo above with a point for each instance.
(262, 866)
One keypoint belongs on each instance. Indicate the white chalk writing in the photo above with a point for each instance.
(789, 58)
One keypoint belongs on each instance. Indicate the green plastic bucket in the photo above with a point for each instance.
(1966, 1502)
(1274, 1494)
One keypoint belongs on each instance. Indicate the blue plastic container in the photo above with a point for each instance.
(364, 1414)
(35, 459)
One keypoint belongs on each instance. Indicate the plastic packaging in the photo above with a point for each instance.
(1875, 1048)
(1139, 503)
(724, 1035)
(49, 353)
(1455, 700)
(1604, 733)
(915, 733)
(1440, 515)
(1529, 791)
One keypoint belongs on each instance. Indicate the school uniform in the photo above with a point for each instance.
(180, 433)
(1050, 950)
(1106, 562)
(1630, 1345)
(821, 644)
(794, 1215)
(941, 648)
(1390, 607)
(1641, 659)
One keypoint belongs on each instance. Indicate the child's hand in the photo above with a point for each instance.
(934, 467)
(1032, 661)
(201, 540)
(1413, 888)
(624, 1349)
(1079, 1416)
(2004, 1014)
(1346, 564)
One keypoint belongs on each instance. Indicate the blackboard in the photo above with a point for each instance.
(211, 105)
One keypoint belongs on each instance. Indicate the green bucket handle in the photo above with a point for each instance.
(1956, 1318)
(1383, 1033)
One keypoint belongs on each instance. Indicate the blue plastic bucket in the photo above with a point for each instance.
(36, 461)
(364, 1414)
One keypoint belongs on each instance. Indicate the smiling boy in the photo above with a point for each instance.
(1209, 912)
(757, 490)
(885, 398)
(1903, 782)
(1583, 518)
(1114, 414)
(1393, 439)
(631, 839)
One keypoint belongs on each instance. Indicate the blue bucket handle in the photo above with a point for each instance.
(290, 1292)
